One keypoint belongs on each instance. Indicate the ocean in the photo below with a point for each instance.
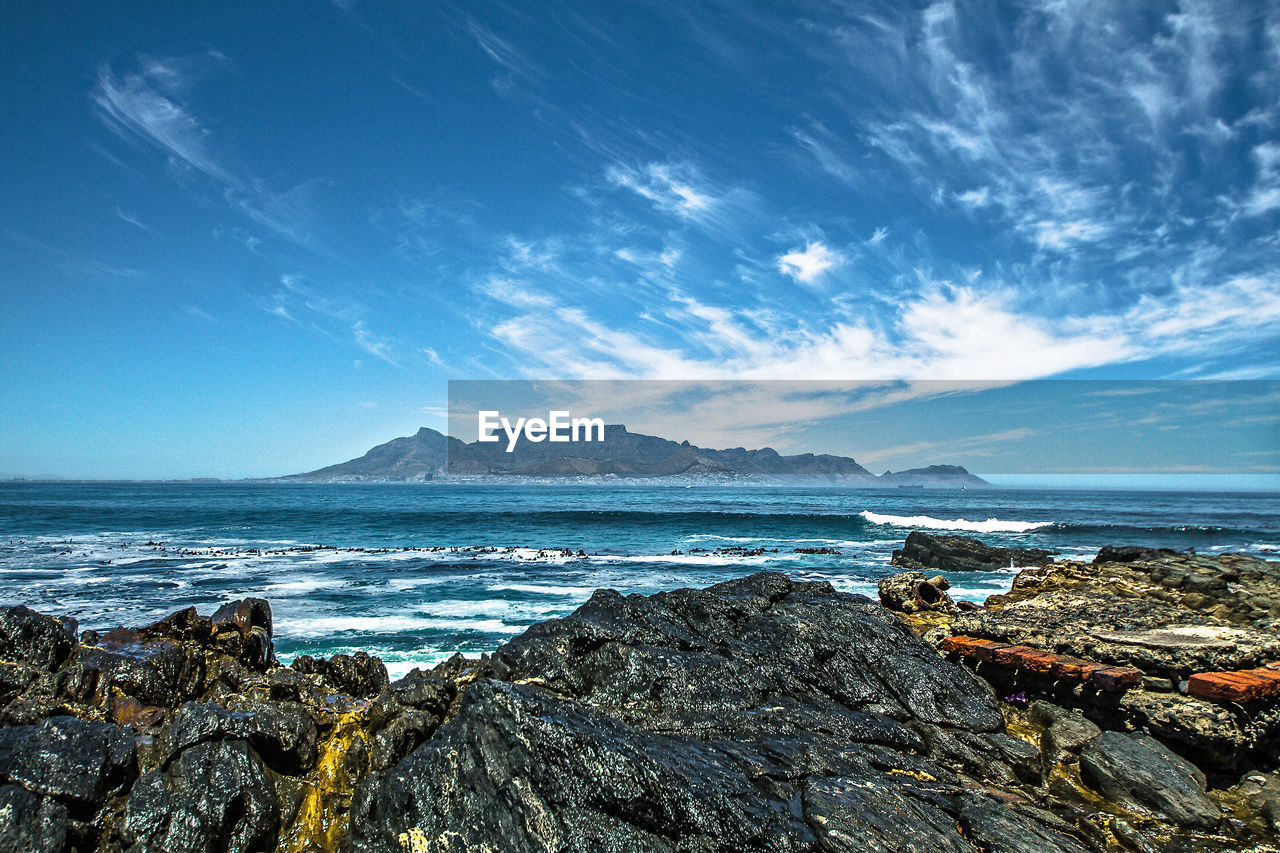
(414, 573)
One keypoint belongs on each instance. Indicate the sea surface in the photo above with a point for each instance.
(414, 573)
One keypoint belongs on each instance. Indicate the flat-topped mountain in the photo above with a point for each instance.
(622, 454)
(932, 476)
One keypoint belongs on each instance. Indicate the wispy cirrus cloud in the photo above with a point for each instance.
(679, 189)
(145, 106)
(150, 106)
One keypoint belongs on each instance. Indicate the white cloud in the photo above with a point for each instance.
(673, 188)
(1062, 235)
(806, 265)
(975, 198)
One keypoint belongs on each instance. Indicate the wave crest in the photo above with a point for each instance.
(991, 525)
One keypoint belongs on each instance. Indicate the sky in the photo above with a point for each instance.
(254, 239)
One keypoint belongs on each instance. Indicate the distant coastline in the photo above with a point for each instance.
(622, 457)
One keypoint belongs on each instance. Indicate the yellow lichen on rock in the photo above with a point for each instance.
(414, 841)
(322, 818)
(918, 775)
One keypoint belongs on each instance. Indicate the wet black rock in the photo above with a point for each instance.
(1137, 771)
(360, 675)
(405, 714)
(710, 660)
(756, 714)
(1064, 733)
(243, 615)
(33, 639)
(184, 624)
(1007, 830)
(214, 798)
(76, 762)
(567, 778)
(1130, 553)
(283, 734)
(924, 552)
(32, 823)
(155, 672)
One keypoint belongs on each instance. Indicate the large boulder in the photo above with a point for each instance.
(31, 638)
(405, 714)
(282, 733)
(713, 659)
(1137, 771)
(360, 675)
(76, 762)
(756, 714)
(215, 797)
(924, 552)
(31, 823)
(159, 672)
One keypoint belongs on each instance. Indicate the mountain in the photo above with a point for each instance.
(429, 454)
(413, 457)
(933, 476)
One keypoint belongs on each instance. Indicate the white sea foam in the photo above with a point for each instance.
(991, 525)
(542, 589)
(303, 586)
(326, 626)
(692, 559)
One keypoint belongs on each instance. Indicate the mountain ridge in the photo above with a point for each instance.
(429, 454)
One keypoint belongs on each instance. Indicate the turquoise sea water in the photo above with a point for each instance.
(414, 573)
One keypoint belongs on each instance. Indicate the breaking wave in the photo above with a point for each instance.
(991, 525)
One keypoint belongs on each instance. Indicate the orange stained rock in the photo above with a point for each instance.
(1229, 686)
(1045, 663)
(1115, 677)
(1011, 655)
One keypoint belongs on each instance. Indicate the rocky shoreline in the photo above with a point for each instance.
(1128, 703)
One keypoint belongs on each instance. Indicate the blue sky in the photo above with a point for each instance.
(250, 241)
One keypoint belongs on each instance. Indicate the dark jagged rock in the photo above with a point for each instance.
(1064, 738)
(926, 553)
(1001, 829)
(715, 719)
(405, 714)
(243, 615)
(155, 672)
(1130, 553)
(185, 624)
(568, 778)
(76, 762)
(214, 797)
(1137, 771)
(33, 639)
(31, 823)
(360, 674)
(283, 734)
(706, 658)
